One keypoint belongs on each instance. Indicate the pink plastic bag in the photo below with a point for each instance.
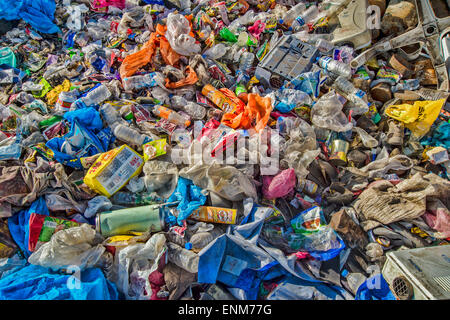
(438, 218)
(280, 185)
(257, 28)
(97, 4)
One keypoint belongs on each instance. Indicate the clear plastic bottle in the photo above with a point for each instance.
(178, 102)
(307, 16)
(356, 96)
(293, 13)
(171, 116)
(223, 12)
(140, 81)
(129, 135)
(96, 96)
(185, 259)
(335, 66)
(109, 113)
(194, 110)
(136, 199)
(246, 61)
(216, 52)
(324, 45)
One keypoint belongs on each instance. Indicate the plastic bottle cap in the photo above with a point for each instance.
(188, 246)
(344, 273)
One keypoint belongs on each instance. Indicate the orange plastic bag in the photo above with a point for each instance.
(136, 60)
(191, 78)
(255, 114)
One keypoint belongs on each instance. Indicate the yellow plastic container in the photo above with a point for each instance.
(113, 169)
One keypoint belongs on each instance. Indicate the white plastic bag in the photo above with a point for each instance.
(178, 35)
(70, 247)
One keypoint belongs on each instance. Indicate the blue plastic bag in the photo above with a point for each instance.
(374, 288)
(38, 13)
(440, 138)
(308, 82)
(19, 226)
(38, 283)
(190, 197)
(87, 123)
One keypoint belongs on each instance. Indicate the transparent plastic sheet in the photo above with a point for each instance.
(327, 113)
(136, 184)
(160, 177)
(378, 168)
(227, 181)
(288, 99)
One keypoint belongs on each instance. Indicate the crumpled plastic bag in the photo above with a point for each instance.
(136, 184)
(160, 177)
(20, 186)
(227, 181)
(53, 94)
(86, 125)
(70, 247)
(255, 114)
(438, 217)
(191, 78)
(38, 13)
(178, 34)
(190, 197)
(19, 224)
(280, 185)
(301, 148)
(417, 117)
(136, 60)
(379, 167)
(327, 113)
(56, 202)
(135, 263)
(290, 98)
(97, 204)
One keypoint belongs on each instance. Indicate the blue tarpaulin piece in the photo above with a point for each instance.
(38, 283)
(19, 225)
(38, 13)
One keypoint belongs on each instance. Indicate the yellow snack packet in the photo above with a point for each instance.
(113, 169)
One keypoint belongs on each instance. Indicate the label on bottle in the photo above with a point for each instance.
(214, 215)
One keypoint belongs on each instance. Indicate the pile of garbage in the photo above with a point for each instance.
(204, 149)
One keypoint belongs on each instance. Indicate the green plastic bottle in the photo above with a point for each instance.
(48, 122)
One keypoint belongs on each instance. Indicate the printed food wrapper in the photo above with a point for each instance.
(43, 227)
(154, 149)
(113, 169)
